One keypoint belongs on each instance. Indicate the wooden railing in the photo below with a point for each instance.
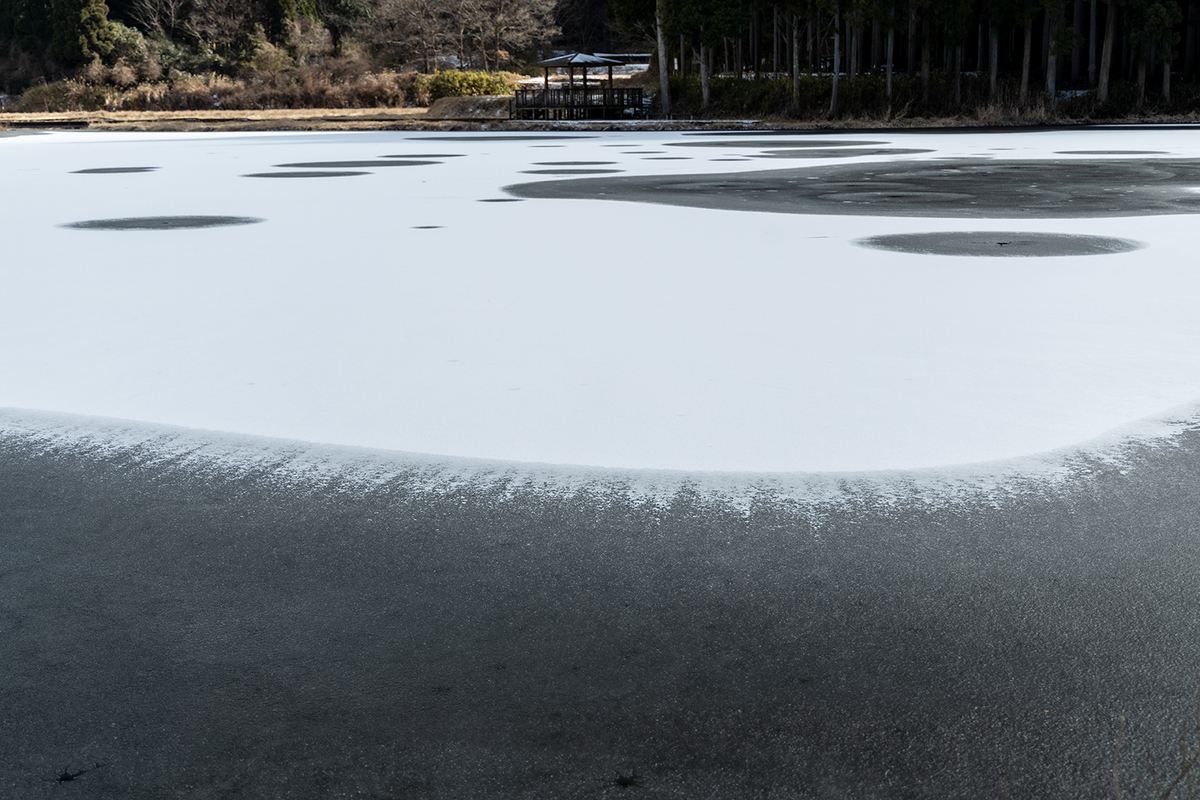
(577, 102)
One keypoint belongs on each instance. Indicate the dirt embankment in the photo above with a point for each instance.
(217, 120)
(461, 113)
(448, 114)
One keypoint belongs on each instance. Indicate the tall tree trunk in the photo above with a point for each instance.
(852, 47)
(1129, 56)
(810, 39)
(1025, 59)
(1092, 44)
(910, 54)
(756, 41)
(796, 61)
(704, 54)
(837, 61)
(891, 52)
(1110, 24)
(1076, 50)
(1052, 20)
(1166, 86)
(876, 46)
(664, 78)
(993, 59)
(958, 58)
(775, 40)
(1045, 51)
(1141, 81)
(1189, 40)
(926, 60)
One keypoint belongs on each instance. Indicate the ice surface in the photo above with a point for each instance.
(395, 311)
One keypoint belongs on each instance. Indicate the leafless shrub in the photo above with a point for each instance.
(150, 69)
(377, 90)
(94, 72)
(68, 95)
(121, 74)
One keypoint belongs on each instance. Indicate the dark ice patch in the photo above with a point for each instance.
(864, 151)
(355, 164)
(873, 195)
(1111, 152)
(501, 200)
(1051, 189)
(754, 133)
(306, 174)
(425, 155)
(426, 227)
(160, 223)
(112, 170)
(491, 138)
(759, 145)
(1002, 244)
(568, 171)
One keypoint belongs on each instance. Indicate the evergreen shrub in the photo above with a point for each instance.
(456, 83)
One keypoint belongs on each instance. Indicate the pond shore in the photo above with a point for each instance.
(426, 119)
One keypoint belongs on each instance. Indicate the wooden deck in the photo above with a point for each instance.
(578, 102)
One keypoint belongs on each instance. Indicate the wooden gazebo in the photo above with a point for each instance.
(597, 101)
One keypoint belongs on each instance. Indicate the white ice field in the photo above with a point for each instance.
(394, 310)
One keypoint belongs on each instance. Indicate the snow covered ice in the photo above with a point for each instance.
(396, 310)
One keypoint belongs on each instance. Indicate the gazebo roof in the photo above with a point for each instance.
(579, 60)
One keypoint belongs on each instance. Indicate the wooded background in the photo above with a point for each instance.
(1049, 46)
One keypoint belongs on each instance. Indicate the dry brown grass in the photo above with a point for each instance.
(116, 88)
(277, 119)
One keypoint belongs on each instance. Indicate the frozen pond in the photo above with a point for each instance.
(191, 610)
(717, 302)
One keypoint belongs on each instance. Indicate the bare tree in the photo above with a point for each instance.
(165, 17)
(221, 23)
(415, 28)
(501, 27)
(488, 29)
